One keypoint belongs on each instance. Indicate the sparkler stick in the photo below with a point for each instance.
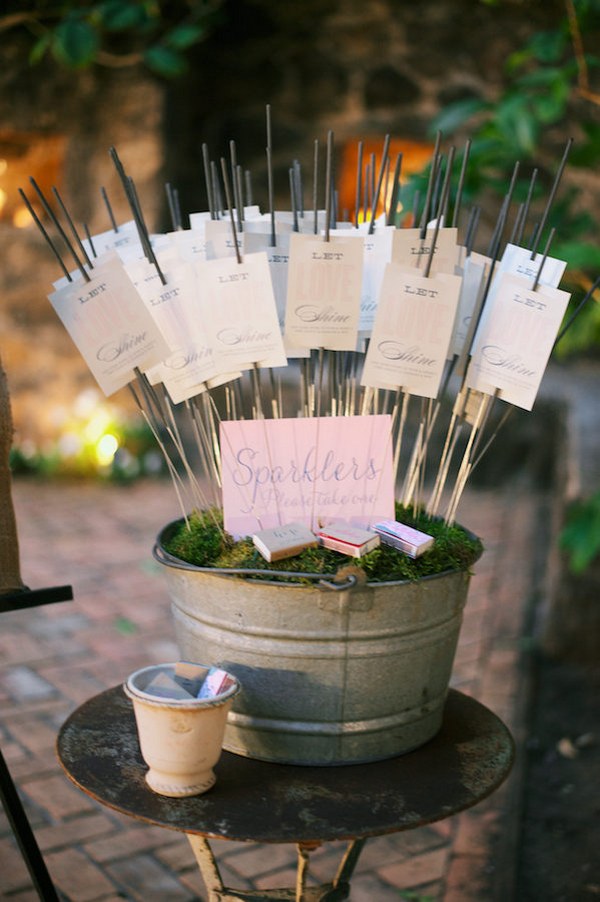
(203, 444)
(208, 181)
(472, 225)
(71, 224)
(175, 220)
(89, 239)
(299, 188)
(461, 183)
(466, 464)
(384, 159)
(216, 187)
(230, 208)
(430, 183)
(293, 202)
(175, 478)
(50, 213)
(545, 255)
(315, 186)
(109, 209)
(131, 195)
(393, 205)
(519, 234)
(328, 191)
(358, 183)
(273, 239)
(551, 196)
(42, 229)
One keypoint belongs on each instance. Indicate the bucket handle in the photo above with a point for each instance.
(349, 580)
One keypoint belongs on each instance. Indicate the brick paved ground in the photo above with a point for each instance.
(51, 659)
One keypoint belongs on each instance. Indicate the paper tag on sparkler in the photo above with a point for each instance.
(170, 303)
(468, 302)
(377, 254)
(110, 325)
(409, 249)
(278, 257)
(517, 260)
(219, 239)
(198, 220)
(412, 331)
(512, 348)
(177, 311)
(323, 296)
(239, 312)
(189, 243)
(125, 236)
(314, 470)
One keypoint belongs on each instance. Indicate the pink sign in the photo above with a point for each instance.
(316, 470)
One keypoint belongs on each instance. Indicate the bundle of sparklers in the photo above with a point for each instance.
(260, 315)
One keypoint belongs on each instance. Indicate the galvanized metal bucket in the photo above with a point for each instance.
(339, 672)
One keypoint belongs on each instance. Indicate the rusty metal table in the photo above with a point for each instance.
(275, 803)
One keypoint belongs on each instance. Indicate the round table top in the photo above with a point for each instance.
(264, 802)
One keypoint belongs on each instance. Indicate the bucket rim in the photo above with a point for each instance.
(323, 580)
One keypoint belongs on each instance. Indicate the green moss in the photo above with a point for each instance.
(205, 545)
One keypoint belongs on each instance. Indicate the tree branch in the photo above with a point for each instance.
(583, 78)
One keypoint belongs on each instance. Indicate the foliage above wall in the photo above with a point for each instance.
(114, 33)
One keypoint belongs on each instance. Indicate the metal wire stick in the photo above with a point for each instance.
(71, 224)
(461, 184)
(328, 185)
(230, 208)
(50, 213)
(377, 192)
(42, 229)
(210, 199)
(551, 196)
(395, 193)
(519, 235)
(358, 192)
(109, 210)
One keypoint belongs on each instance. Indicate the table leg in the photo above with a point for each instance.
(337, 891)
(208, 867)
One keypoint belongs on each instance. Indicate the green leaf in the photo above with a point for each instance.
(454, 115)
(75, 42)
(581, 534)
(517, 124)
(580, 255)
(40, 48)
(184, 36)
(548, 46)
(117, 15)
(165, 61)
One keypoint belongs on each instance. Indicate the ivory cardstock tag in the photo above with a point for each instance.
(125, 236)
(109, 324)
(412, 331)
(189, 243)
(170, 304)
(312, 470)
(278, 256)
(238, 307)
(219, 239)
(377, 248)
(517, 260)
(468, 303)
(323, 293)
(512, 349)
(409, 249)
